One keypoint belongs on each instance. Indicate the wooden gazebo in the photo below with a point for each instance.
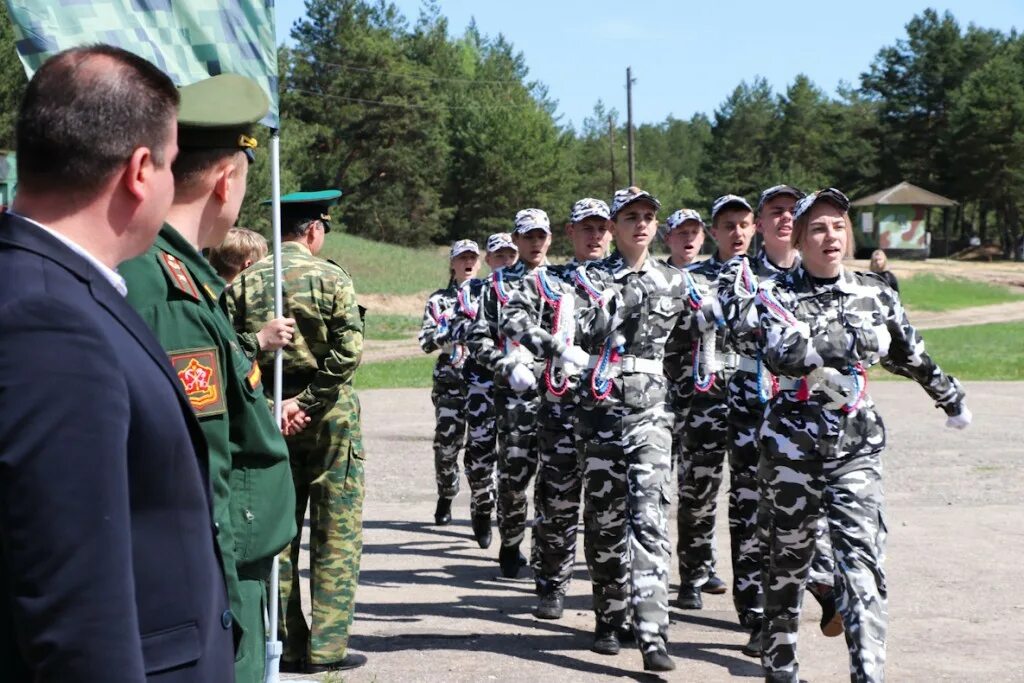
(897, 220)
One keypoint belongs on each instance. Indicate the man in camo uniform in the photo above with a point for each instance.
(449, 393)
(516, 397)
(821, 439)
(543, 306)
(327, 456)
(481, 420)
(707, 427)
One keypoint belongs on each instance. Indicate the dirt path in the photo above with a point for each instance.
(431, 607)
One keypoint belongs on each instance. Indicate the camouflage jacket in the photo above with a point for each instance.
(809, 324)
(323, 356)
(435, 333)
(487, 345)
(737, 286)
(540, 315)
(464, 314)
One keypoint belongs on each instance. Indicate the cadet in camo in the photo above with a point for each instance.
(516, 397)
(178, 294)
(449, 392)
(543, 307)
(707, 425)
(821, 439)
(327, 456)
(624, 429)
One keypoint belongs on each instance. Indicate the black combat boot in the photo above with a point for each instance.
(511, 561)
(549, 607)
(606, 640)
(713, 585)
(689, 597)
(482, 530)
(831, 619)
(443, 512)
(753, 646)
(656, 659)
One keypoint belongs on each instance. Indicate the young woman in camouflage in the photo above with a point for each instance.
(516, 398)
(821, 439)
(481, 456)
(540, 316)
(449, 392)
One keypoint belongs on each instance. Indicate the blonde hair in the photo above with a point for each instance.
(883, 264)
(800, 231)
(240, 245)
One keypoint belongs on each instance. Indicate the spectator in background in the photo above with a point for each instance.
(240, 249)
(880, 267)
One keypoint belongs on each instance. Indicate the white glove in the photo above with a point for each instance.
(521, 379)
(574, 355)
(961, 420)
(884, 339)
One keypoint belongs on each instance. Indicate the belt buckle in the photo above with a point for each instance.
(628, 363)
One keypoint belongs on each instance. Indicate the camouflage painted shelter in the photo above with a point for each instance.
(898, 220)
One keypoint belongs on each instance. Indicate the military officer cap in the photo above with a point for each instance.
(220, 112)
(773, 192)
(681, 216)
(500, 240)
(728, 201)
(464, 246)
(830, 195)
(628, 195)
(301, 207)
(532, 219)
(585, 208)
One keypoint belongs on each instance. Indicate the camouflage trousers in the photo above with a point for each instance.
(699, 478)
(517, 461)
(848, 494)
(449, 435)
(558, 485)
(327, 465)
(481, 455)
(626, 458)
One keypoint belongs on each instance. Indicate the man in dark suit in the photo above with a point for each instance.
(108, 567)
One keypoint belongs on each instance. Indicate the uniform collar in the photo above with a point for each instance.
(845, 284)
(769, 265)
(295, 245)
(171, 241)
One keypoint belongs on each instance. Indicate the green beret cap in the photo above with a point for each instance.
(300, 207)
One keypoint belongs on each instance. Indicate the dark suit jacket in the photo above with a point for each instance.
(108, 568)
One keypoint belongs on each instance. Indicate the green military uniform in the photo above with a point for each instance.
(179, 295)
(327, 456)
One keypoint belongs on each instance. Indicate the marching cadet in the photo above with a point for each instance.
(178, 294)
(449, 391)
(821, 438)
(516, 398)
(481, 425)
(327, 456)
(707, 427)
(624, 427)
(543, 306)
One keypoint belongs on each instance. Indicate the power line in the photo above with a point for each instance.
(407, 105)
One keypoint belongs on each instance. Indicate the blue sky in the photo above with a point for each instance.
(688, 56)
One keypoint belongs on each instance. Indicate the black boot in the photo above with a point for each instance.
(689, 597)
(549, 607)
(443, 512)
(713, 585)
(511, 561)
(753, 646)
(482, 530)
(831, 620)
(606, 640)
(657, 659)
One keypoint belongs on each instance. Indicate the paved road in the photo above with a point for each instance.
(432, 608)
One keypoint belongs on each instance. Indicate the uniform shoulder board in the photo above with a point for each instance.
(179, 275)
(869, 275)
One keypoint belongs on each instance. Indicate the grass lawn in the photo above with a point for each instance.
(974, 352)
(931, 293)
(388, 326)
(379, 268)
(396, 374)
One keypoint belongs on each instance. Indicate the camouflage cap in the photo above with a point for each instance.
(463, 246)
(773, 192)
(628, 195)
(302, 207)
(680, 217)
(500, 240)
(728, 200)
(532, 219)
(220, 113)
(829, 194)
(585, 208)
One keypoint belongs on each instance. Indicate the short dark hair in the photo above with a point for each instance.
(294, 229)
(191, 163)
(85, 111)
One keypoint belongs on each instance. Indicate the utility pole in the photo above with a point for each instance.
(611, 153)
(629, 125)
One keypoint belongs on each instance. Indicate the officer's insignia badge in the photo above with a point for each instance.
(254, 376)
(198, 372)
(179, 275)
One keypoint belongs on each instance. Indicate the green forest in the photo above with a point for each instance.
(434, 137)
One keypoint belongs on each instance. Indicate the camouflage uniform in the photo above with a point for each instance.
(517, 412)
(327, 456)
(625, 439)
(706, 443)
(481, 454)
(539, 315)
(448, 393)
(824, 459)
